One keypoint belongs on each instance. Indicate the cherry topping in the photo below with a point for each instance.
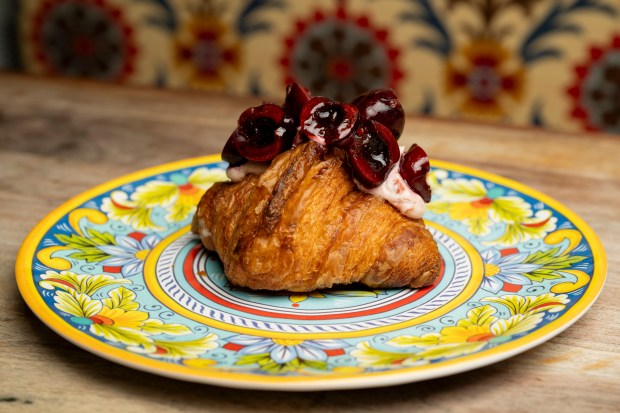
(372, 151)
(230, 153)
(382, 105)
(290, 132)
(263, 132)
(296, 98)
(328, 122)
(366, 131)
(414, 166)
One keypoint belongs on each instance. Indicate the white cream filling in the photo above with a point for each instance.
(237, 173)
(394, 189)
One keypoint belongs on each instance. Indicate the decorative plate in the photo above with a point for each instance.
(117, 271)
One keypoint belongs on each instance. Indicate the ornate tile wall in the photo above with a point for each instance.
(552, 63)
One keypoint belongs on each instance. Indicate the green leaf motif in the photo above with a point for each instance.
(517, 304)
(425, 340)
(478, 226)
(447, 350)
(516, 324)
(179, 212)
(76, 304)
(367, 355)
(510, 209)
(479, 316)
(551, 263)
(155, 193)
(187, 349)
(127, 336)
(101, 238)
(74, 241)
(87, 246)
(315, 364)
(270, 366)
(82, 283)
(153, 326)
(251, 359)
(89, 255)
(90, 284)
(267, 364)
(140, 218)
(121, 297)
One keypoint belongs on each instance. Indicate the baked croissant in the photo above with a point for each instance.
(303, 225)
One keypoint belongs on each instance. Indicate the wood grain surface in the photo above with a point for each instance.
(60, 138)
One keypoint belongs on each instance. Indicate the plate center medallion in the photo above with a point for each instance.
(190, 280)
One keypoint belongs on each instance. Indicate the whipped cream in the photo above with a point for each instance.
(396, 191)
(237, 173)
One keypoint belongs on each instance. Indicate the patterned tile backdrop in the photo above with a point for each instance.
(551, 63)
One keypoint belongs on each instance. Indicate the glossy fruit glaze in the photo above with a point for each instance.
(367, 130)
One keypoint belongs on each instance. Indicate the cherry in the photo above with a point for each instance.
(328, 122)
(414, 166)
(230, 153)
(372, 151)
(263, 132)
(366, 131)
(382, 105)
(296, 98)
(289, 133)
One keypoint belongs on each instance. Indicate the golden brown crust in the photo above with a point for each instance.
(303, 225)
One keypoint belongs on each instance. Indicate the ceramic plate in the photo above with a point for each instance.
(117, 271)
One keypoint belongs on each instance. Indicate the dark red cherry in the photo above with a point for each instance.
(288, 131)
(230, 153)
(372, 151)
(326, 121)
(263, 132)
(414, 166)
(296, 98)
(382, 105)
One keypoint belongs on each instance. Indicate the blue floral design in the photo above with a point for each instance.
(129, 253)
(283, 351)
(505, 269)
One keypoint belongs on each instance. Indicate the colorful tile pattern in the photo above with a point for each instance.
(551, 63)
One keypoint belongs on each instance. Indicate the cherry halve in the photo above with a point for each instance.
(296, 98)
(230, 153)
(414, 166)
(326, 121)
(263, 132)
(372, 151)
(383, 106)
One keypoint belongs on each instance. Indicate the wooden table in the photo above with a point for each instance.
(59, 138)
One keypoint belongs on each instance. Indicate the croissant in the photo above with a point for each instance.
(303, 225)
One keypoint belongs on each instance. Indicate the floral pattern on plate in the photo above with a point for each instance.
(117, 271)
